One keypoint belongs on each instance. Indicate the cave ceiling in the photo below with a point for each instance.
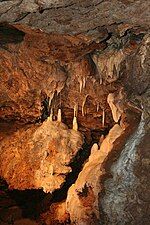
(76, 17)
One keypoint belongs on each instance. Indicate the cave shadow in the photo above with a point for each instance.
(10, 34)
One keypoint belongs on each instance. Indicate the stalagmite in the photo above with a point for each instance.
(75, 124)
(101, 139)
(59, 115)
(103, 118)
(94, 148)
(51, 115)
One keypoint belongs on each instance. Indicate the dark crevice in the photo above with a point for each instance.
(9, 34)
(22, 16)
(42, 9)
(76, 165)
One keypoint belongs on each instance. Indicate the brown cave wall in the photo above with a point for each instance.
(75, 68)
(42, 66)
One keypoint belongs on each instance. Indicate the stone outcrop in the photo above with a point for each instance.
(82, 199)
(124, 198)
(26, 79)
(38, 156)
(57, 214)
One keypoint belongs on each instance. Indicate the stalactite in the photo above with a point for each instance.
(97, 107)
(103, 118)
(50, 99)
(60, 99)
(75, 124)
(83, 104)
(81, 85)
(76, 110)
(109, 67)
(58, 90)
(83, 108)
(93, 80)
(100, 80)
(115, 105)
(59, 115)
(84, 82)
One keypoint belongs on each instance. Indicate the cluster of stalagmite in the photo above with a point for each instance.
(59, 119)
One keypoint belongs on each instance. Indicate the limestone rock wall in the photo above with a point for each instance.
(38, 156)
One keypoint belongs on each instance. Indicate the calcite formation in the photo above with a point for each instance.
(73, 74)
(38, 156)
(116, 104)
(82, 199)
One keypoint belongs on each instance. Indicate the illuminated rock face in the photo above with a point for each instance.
(86, 64)
(82, 199)
(38, 156)
(26, 79)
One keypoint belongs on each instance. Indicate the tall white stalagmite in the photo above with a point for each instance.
(59, 115)
(101, 139)
(51, 115)
(103, 118)
(94, 148)
(75, 124)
